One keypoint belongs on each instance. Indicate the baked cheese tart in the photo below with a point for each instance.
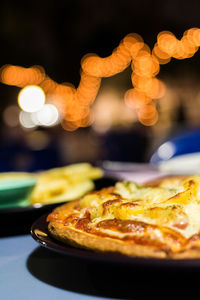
(160, 219)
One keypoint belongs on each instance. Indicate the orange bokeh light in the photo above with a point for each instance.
(19, 76)
(148, 114)
(167, 42)
(74, 103)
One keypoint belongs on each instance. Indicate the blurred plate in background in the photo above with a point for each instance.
(18, 219)
(182, 164)
(130, 171)
(179, 154)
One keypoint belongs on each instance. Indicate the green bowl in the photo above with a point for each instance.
(15, 191)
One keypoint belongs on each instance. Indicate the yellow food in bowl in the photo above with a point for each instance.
(64, 183)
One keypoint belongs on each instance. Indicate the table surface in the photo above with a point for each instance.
(29, 272)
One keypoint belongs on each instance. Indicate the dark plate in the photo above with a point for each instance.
(18, 220)
(39, 232)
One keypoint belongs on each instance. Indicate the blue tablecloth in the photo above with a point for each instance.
(29, 272)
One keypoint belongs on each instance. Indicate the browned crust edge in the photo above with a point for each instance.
(83, 239)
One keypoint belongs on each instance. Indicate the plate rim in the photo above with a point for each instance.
(54, 245)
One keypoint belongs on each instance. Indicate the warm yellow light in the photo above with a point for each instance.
(25, 120)
(48, 115)
(31, 98)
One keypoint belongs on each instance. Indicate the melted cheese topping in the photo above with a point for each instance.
(174, 204)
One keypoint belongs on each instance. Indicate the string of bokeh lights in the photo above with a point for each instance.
(74, 104)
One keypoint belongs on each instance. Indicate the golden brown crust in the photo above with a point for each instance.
(83, 239)
(80, 237)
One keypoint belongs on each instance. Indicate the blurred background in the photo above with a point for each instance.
(42, 45)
